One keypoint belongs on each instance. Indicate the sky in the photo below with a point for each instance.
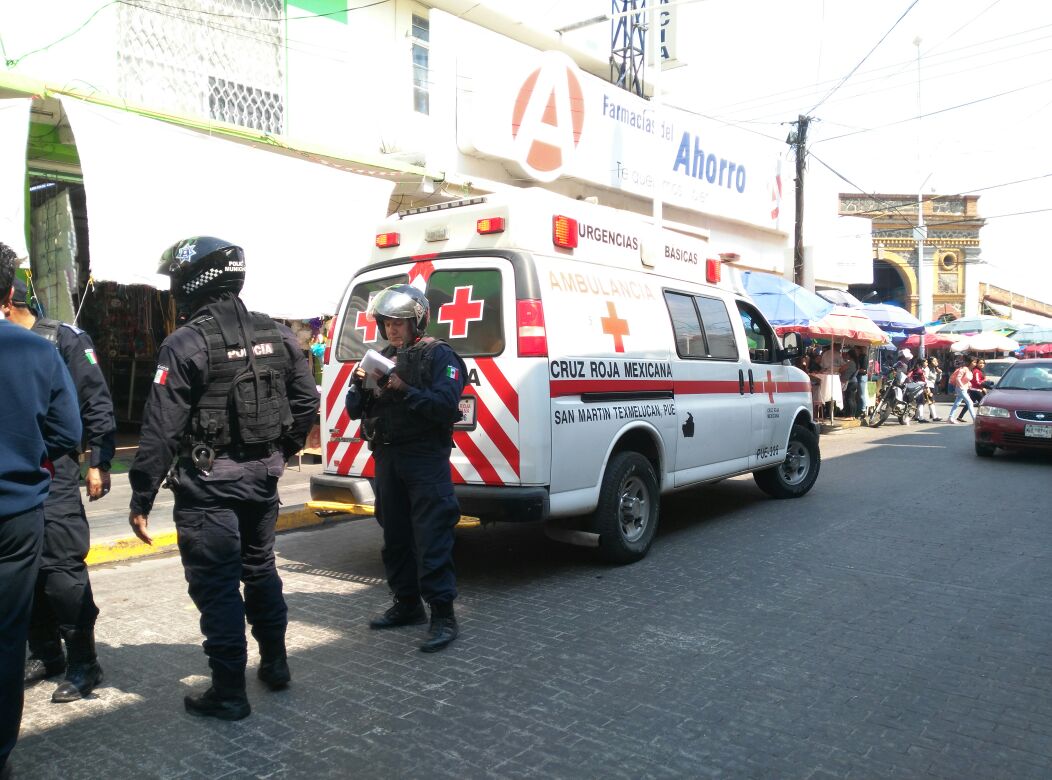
(973, 116)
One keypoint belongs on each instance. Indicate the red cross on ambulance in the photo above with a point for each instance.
(459, 312)
(614, 326)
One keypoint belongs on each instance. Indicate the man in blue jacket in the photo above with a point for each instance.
(40, 420)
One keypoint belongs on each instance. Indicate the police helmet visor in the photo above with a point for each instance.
(397, 304)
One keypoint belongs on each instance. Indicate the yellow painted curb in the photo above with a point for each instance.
(125, 549)
(122, 549)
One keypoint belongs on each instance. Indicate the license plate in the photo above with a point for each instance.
(1038, 431)
(467, 413)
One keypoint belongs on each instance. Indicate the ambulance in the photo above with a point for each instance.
(607, 366)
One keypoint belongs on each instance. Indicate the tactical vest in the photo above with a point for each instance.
(48, 329)
(235, 408)
(390, 420)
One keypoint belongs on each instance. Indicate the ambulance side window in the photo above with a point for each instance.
(359, 333)
(466, 310)
(763, 347)
(690, 338)
(718, 331)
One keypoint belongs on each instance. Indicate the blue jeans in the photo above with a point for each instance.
(962, 397)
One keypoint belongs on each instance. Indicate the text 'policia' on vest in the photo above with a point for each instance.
(244, 402)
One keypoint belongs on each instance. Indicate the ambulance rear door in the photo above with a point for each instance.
(473, 308)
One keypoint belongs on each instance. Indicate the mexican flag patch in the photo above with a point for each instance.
(451, 372)
(90, 355)
(161, 377)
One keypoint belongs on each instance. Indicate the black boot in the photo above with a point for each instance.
(443, 628)
(274, 664)
(405, 612)
(46, 658)
(83, 672)
(225, 699)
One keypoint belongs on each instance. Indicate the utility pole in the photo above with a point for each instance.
(798, 141)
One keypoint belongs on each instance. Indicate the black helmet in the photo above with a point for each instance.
(202, 266)
(400, 302)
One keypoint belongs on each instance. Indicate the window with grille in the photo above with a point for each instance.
(421, 75)
(213, 59)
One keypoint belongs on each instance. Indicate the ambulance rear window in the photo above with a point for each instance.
(466, 310)
(359, 333)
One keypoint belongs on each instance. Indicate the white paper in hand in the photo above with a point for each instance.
(375, 366)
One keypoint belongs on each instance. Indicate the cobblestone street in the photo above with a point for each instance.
(894, 623)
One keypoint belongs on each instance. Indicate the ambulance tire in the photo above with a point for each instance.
(794, 476)
(629, 503)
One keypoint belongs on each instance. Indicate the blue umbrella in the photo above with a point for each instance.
(892, 318)
(782, 302)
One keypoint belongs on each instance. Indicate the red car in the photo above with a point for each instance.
(1017, 413)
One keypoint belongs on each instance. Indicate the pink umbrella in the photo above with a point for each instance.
(1035, 350)
(931, 340)
(841, 325)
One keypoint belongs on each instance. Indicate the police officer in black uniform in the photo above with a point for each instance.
(232, 400)
(63, 606)
(408, 422)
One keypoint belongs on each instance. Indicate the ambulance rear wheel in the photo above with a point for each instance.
(627, 515)
(797, 473)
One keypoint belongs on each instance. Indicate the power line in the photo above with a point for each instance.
(859, 65)
(784, 96)
(938, 111)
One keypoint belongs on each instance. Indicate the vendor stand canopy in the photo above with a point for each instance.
(782, 302)
(985, 342)
(842, 325)
(1034, 335)
(893, 320)
(1037, 350)
(981, 324)
(840, 297)
(931, 340)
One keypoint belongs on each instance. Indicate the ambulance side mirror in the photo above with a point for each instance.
(792, 347)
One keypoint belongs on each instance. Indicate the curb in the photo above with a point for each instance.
(130, 547)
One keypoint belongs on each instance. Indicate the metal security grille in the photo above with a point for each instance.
(214, 59)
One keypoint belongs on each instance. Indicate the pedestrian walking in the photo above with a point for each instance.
(233, 398)
(961, 381)
(976, 390)
(63, 607)
(40, 422)
(408, 422)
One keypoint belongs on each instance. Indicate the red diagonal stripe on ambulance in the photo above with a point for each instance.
(491, 427)
(501, 386)
(337, 388)
(458, 478)
(348, 457)
(335, 433)
(477, 459)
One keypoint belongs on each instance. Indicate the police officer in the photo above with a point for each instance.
(408, 422)
(63, 607)
(232, 400)
(39, 422)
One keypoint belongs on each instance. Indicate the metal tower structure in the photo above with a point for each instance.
(628, 36)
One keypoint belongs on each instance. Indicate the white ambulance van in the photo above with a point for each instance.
(600, 376)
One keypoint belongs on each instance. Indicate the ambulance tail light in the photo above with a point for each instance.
(490, 225)
(533, 339)
(564, 232)
(387, 240)
(712, 271)
(328, 340)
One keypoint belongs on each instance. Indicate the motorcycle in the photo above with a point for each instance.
(898, 398)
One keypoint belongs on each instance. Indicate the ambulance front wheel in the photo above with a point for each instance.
(627, 515)
(797, 473)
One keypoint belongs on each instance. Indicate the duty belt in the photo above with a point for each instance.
(240, 452)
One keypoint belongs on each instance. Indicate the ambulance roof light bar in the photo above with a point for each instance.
(449, 204)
